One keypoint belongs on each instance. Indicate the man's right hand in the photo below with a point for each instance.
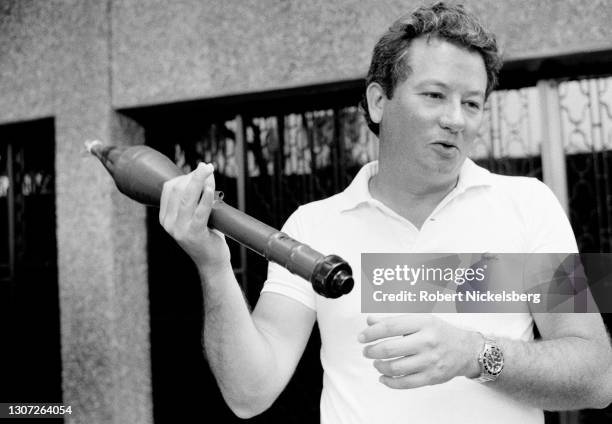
(186, 203)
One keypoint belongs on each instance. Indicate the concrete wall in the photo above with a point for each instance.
(156, 51)
(208, 48)
(78, 60)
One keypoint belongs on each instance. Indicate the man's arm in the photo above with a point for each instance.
(251, 356)
(570, 368)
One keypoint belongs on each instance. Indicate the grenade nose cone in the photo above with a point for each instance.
(90, 145)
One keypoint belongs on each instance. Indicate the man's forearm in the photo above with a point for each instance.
(238, 354)
(560, 374)
(569, 369)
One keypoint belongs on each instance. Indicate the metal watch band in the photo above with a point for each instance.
(490, 360)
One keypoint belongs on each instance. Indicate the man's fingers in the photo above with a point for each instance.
(394, 347)
(202, 212)
(411, 381)
(163, 203)
(168, 203)
(210, 181)
(406, 365)
(192, 192)
(391, 327)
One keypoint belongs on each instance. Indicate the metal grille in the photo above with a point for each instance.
(586, 124)
(26, 207)
(510, 137)
(7, 262)
(297, 158)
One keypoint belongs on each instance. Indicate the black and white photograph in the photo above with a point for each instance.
(306, 211)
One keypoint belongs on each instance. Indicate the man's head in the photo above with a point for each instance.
(390, 60)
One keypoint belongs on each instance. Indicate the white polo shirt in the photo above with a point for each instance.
(485, 212)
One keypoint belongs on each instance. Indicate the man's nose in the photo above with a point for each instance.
(452, 117)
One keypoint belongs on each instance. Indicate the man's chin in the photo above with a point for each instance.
(447, 169)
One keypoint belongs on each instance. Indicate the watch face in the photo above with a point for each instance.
(493, 360)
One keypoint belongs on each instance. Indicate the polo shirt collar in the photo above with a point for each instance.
(472, 175)
(358, 192)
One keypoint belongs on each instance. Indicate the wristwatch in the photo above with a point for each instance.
(491, 361)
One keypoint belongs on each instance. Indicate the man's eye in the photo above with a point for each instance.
(433, 95)
(473, 105)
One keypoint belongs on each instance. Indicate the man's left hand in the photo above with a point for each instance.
(419, 350)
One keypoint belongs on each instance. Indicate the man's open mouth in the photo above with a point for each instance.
(446, 145)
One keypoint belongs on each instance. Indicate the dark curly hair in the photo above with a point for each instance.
(447, 22)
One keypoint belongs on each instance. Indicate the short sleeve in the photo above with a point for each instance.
(549, 228)
(283, 282)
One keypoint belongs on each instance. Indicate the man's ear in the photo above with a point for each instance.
(376, 101)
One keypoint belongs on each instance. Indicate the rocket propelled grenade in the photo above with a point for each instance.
(140, 173)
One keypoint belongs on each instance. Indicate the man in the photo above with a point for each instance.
(430, 76)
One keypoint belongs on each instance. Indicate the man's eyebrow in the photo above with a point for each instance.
(445, 86)
(432, 82)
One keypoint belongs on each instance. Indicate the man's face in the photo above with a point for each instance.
(429, 124)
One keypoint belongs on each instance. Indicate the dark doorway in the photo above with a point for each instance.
(29, 305)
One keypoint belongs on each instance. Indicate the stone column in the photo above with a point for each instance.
(101, 235)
